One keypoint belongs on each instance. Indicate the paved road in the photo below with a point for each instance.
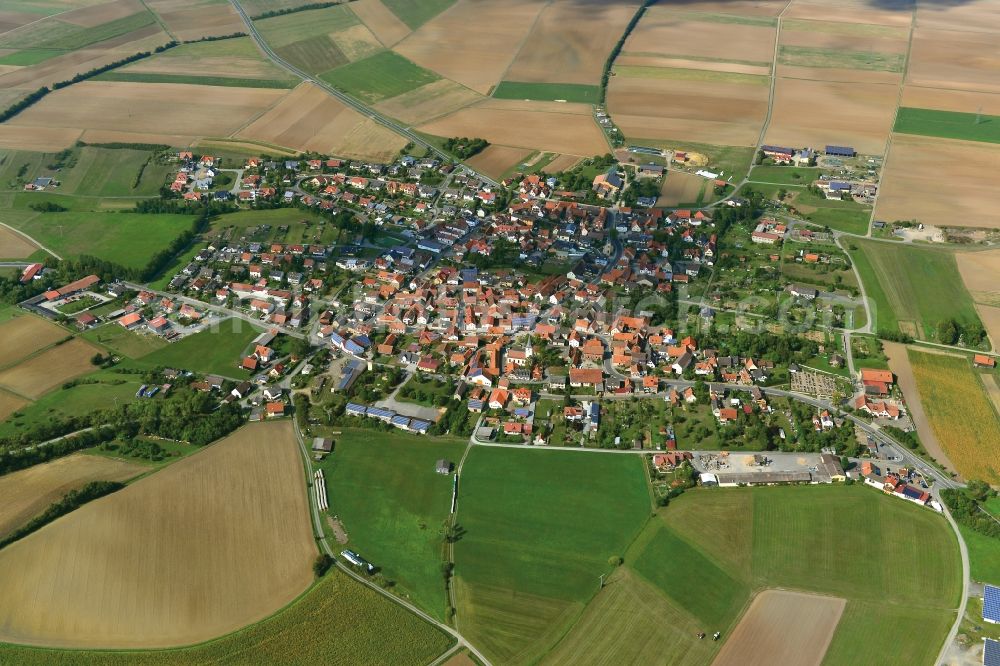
(347, 99)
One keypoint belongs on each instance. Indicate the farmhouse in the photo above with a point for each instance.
(779, 154)
(876, 382)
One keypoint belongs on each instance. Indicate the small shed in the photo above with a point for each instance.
(443, 466)
(322, 445)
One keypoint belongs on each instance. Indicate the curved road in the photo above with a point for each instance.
(347, 99)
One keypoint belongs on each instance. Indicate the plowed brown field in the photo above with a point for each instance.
(783, 628)
(210, 544)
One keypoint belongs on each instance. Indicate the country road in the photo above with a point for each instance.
(358, 106)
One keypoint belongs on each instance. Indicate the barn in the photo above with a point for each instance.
(840, 151)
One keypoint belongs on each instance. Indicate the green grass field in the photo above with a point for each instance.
(76, 401)
(846, 215)
(212, 351)
(125, 342)
(225, 81)
(913, 288)
(337, 622)
(105, 172)
(393, 504)
(948, 124)
(284, 30)
(29, 57)
(52, 33)
(379, 77)
(897, 566)
(984, 556)
(548, 92)
(539, 529)
(785, 175)
(710, 17)
(809, 56)
(129, 239)
(414, 13)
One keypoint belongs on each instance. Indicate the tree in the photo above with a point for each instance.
(948, 332)
(322, 564)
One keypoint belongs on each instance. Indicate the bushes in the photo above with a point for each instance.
(292, 10)
(47, 207)
(464, 147)
(322, 564)
(73, 500)
(966, 511)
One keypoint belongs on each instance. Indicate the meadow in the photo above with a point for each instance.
(128, 239)
(948, 124)
(897, 568)
(52, 33)
(379, 77)
(185, 536)
(393, 505)
(538, 529)
(337, 622)
(960, 413)
(807, 56)
(548, 92)
(105, 172)
(218, 350)
(846, 215)
(984, 556)
(913, 288)
(125, 342)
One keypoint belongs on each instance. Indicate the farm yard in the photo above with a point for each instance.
(27, 493)
(174, 547)
(394, 514)
(919, 166)
(960, 413)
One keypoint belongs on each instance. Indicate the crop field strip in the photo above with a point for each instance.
(202, 590)
(960, 413)
(948, 125)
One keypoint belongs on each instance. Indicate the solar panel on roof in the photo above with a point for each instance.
(991, 603)
(991, 653)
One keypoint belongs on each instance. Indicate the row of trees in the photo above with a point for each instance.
(73, 500)
(606, 74)
(464, 147)
(965, 507)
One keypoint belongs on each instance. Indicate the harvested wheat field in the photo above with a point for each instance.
(473, 42)
(562, 163)
(210, 544)
(843, 114)
(858, 11)
(980, 272)
(748, 8)
(920, 168)
(39, 374)
(194, 19)
(680, 188)
(180, 109)
(685, 63)
(495, 160)
(990, 316)
(15, 246)
(571, 40)
(571, 133)
(309, 119)
(971, 17)
(783, 628)
(25, 494)
(381, 21)
(954, 59)
(95, 15)
(963, 101)
(665, 31)
(25, 335)
(702, 111)
(231, 58)
(47, 139)
(10, 403)
(429, 101)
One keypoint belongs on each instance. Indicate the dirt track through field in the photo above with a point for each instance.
(899, 363)
(780, 627)
(210, 544)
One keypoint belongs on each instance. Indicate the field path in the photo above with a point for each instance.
(899, 363)
(30, 239)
